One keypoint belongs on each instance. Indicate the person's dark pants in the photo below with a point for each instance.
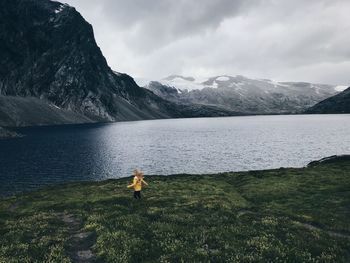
(137, 194)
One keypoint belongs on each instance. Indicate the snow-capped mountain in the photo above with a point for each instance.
(242, 94)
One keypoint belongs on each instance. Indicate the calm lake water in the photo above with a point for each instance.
(52, 155)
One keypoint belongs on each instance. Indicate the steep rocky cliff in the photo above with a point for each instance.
(48, 52)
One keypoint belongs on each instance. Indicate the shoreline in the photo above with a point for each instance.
(160, 119)
(5, 133)
(53, 187)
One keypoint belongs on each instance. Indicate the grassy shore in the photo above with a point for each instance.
(282, 215)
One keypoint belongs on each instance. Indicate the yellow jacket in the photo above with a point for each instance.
(137, 183)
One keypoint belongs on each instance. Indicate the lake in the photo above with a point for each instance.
(58, 154)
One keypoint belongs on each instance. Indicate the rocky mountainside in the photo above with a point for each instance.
(339, 103)
(48, 52)
(29, 111)
(252, 96)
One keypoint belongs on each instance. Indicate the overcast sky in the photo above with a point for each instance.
(296, 40)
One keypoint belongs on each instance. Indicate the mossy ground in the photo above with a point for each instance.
(283, 215)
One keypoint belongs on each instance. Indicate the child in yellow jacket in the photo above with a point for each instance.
(137, 184)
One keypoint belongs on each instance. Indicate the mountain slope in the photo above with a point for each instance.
(339, 103)
(48, 52)
(18, 111)
(254, 96)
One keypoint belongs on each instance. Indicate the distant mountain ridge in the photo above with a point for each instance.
(242, 94)
(339, 103)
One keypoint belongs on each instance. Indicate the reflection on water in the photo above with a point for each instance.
(51, 155)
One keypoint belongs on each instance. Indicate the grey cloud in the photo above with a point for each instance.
(294, 40)
(152, 24)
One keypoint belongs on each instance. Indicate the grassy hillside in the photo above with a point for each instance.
(283, 215)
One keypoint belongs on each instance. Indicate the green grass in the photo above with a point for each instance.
(283, 215)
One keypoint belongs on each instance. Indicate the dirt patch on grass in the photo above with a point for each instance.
(80, 242)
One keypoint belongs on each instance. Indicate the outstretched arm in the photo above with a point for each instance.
(144, 182)
(133, 184)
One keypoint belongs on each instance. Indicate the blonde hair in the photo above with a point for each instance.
(138, 173)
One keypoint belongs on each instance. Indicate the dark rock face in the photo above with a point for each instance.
(330, 159)
(48, 51)
(339, 103)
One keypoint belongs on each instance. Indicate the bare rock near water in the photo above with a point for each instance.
(4, 133)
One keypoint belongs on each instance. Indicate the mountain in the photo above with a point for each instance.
(48, 51)
(339, 103)
(50, 60)
(242, 94)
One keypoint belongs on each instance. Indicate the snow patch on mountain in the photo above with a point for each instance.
(340, 88)
(223, 78)
(182, 83)
(142, 82)
(60, 8)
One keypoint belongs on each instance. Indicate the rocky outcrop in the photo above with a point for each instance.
(331, 159)
(4, 133)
